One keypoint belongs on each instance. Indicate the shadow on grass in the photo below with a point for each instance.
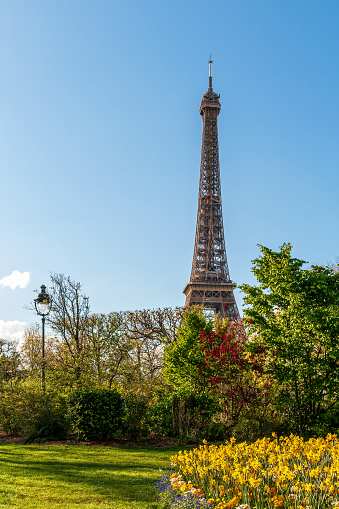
(115, 474)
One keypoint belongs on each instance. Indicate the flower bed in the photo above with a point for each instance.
(288, 472)
(172, 495)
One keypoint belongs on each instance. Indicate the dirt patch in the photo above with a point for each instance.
(121, 442)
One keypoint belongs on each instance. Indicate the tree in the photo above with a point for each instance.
(334, 265)
(233, 368)
(30, 350)
(108, 348)
(9, 360)
(154, 324)
(212, 357)
(69, 314)
(124, 348)
(183, 358)
(294, 313)
(148, 330)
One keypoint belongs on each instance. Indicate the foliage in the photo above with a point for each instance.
(153, 324)
(95, 414)
(334, 265)
(183, 358)
(147, 331)
(49, 422)
(16, 403)
(212, 357)
(135, 420)
(233, 370)
(9, 360)
(105, 350)
(262, 418)
(293, 313)
(185, 414)
(26, 411)
(287, 473)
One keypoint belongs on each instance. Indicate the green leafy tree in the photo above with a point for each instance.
(293, 312)
(183, 358)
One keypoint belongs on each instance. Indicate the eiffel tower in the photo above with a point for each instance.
(210, 286)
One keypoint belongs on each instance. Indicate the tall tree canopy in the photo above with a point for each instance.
(294, 313)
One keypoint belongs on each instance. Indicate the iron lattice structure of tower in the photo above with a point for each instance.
(210, 285)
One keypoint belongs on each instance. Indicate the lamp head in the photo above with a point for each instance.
(43, 302)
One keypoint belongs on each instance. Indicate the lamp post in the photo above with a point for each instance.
(43, 304)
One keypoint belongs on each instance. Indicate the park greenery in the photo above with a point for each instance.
(146, 376)
(293, 313)
(174, 373)
(68, 477)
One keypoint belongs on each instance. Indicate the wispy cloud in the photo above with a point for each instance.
(12, 329)
(16, 279)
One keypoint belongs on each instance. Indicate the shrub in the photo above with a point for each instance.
(47, 424)
(328, 422)
(184, 414)
(13, 411)
(135, 421)
(215, 431)
(95, 414)
(26, 411)
(264, 418)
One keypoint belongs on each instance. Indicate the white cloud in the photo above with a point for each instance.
(15, 279)
(12, 329)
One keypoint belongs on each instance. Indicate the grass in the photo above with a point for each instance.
(73, 477)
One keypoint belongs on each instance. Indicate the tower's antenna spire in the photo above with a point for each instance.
(210, 62)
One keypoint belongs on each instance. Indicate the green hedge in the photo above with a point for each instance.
(95, 414)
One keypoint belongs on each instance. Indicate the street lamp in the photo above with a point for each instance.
(43, 304)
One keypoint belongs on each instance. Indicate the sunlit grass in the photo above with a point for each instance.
(70, 477)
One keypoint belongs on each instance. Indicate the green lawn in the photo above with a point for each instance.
(69, 477)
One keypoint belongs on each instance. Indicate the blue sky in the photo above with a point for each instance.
(100, 139)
